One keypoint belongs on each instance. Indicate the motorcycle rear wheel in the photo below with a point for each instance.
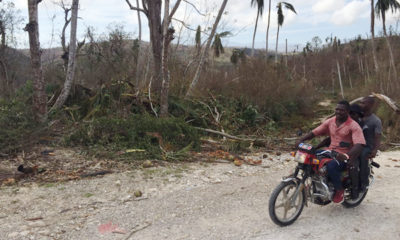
(351, 203)
(281, 204)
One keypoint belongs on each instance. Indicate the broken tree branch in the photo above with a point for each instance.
(136, 229)
(136, 8)
(232, 137)
(195, 8)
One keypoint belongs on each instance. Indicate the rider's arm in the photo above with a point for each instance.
(355, 151)
(377, 137)
(325, 143)
(308, 136)
(377, 143)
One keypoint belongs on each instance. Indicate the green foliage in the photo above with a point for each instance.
(16, 122)
(141, 132)
(249, 115)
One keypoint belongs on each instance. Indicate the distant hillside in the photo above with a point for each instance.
(18, 66)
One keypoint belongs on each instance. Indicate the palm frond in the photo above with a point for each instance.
(224, 34)
(289, 6)
(281, 17)
(259, 4)
(384, 5)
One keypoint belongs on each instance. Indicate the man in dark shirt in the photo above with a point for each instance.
(372, 130)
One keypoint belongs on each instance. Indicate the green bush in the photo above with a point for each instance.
(16, 124)
(141, 132)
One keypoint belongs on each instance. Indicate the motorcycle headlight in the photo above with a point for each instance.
(300, 157)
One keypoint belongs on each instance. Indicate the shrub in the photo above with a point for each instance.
(140, 132)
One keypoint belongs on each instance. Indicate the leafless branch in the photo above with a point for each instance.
(186, 26)
(151, 104)
(136, 8)
(195, 8)
(144, 3)
(174, 9)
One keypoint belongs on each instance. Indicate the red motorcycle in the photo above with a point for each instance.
(310, 182)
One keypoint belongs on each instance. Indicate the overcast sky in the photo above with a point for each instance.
(345, 19)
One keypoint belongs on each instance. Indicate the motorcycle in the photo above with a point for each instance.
(310, 183)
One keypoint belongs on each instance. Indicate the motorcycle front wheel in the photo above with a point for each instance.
(285, 206)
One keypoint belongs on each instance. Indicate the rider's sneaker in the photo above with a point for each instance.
(338, 197)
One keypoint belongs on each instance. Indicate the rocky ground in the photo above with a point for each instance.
(199, 200)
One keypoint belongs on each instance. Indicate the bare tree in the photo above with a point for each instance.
(152, 10)
(67, 20)
(9, 21)
(71, 58)
(204, 54)
(39, 94)
(139, 40)
(168, 36)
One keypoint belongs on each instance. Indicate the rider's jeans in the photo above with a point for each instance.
(364, 168)
(335, 169)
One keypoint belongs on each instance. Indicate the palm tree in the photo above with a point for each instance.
(260, 9)
(269, 18)
(217, 44)
(384, 5)
(373, 36)
(380, 8)
(281, 19)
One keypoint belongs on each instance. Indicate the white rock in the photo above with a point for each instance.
(217, 180)
(24, 233)
(13, 234)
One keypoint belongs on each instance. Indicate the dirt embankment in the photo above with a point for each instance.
(193, 201)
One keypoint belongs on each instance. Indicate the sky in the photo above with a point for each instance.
(345, 19)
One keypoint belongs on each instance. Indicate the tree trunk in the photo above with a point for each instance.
(276, 48)
(69, 79)
(4, 74)
(383, 14)
(373, 36)
(139, 43)
(254, 34)
(156, 38)
(391, 60)
(340, 78)
(204, 54)
(269, 20)
(168, 36)
(286, 52)
(39, 94)
(164, 63)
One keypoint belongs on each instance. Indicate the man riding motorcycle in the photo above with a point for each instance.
(346, 138)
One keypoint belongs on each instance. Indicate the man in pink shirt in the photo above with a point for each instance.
(346, 138)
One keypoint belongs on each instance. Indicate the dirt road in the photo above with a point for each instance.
(193, 201)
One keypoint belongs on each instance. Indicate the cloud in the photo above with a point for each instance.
(324, 6)
(351, 12)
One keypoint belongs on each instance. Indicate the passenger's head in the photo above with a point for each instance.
(342, 110)
(355, 112)
(367, 103)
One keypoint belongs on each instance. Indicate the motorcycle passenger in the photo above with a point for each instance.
(356, 114)
(372, 128)
(346, 138)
